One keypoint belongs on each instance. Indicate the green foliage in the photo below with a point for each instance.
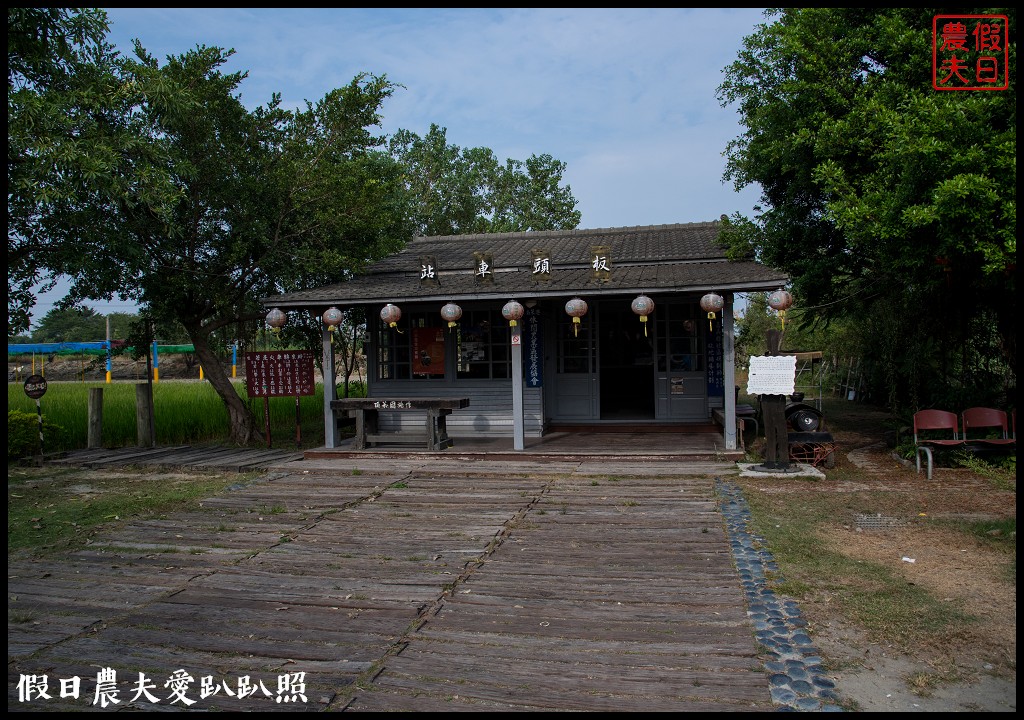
(23, 435)
(200, 207)
(999, 468)
(81, 324)
(458, 191)
(154, 182)
(887, 202)
(60, 86)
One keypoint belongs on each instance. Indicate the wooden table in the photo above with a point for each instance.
(366, 410)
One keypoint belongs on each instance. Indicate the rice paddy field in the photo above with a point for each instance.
(185, 412)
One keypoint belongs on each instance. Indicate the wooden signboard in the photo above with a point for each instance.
(279, 373)
(771, 375)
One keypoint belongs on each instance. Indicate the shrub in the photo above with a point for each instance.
(23, 434)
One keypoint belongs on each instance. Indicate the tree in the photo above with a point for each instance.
(153, 182)
(886, 201)
(209, 206)
(459, 191)
(82, 324)
(264, 202)
(61, 88)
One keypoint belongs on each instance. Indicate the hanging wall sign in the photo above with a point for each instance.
(484, 267)
(532, 352)
(771, 375)
(428, 270)
(541, 264)
(601, 262)
(715, 364)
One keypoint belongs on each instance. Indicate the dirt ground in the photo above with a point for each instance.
(976, 669)
(983, 657)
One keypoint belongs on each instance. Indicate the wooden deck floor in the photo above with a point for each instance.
(409, 584)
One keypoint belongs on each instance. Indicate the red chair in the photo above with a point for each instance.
(934, 420)
(984, 419)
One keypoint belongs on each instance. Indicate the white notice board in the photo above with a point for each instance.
(772, 375)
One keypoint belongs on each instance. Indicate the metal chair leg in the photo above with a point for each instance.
(927, 451)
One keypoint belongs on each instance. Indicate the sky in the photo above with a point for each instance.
(624, 97)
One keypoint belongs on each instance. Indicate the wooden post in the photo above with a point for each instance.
(331, 435)
(109, 367)
(773, 407)
(729, 375)
(518, 424)
(149, 384)
(95, 440)
(143, 414)
(266, 418)
(39, 414)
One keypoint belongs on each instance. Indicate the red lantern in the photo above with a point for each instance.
(576, 308)
(276, 320)
(332, 318)
(712, 303)
(643, 306)
(391, 315)
(512, 312)
(451, 313)
(780, 301)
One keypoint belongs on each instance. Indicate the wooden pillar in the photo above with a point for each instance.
(331, 435)
(109, 363)
(518, 432)
(143, 414)
(729, 373)
(773, 409)
(95, 437)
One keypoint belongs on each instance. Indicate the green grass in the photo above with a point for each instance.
(1000, 470)
(184, 413)
(51, 509)
(876, 598)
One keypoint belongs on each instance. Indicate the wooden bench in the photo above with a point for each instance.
(744, 414)
(366, 412)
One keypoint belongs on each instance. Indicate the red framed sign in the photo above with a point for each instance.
(279, 373)
(970, 52)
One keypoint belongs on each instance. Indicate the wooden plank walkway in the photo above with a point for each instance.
(423, 588)
(186, 457)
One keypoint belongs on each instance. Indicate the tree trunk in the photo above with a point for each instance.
(241, 422)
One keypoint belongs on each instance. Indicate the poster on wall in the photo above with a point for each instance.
(771, 375)
(428, 351)
(716, 368)
(533, 353)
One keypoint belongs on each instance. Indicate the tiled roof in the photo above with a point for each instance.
(657, 258)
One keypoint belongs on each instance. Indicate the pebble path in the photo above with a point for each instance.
(795, 675)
